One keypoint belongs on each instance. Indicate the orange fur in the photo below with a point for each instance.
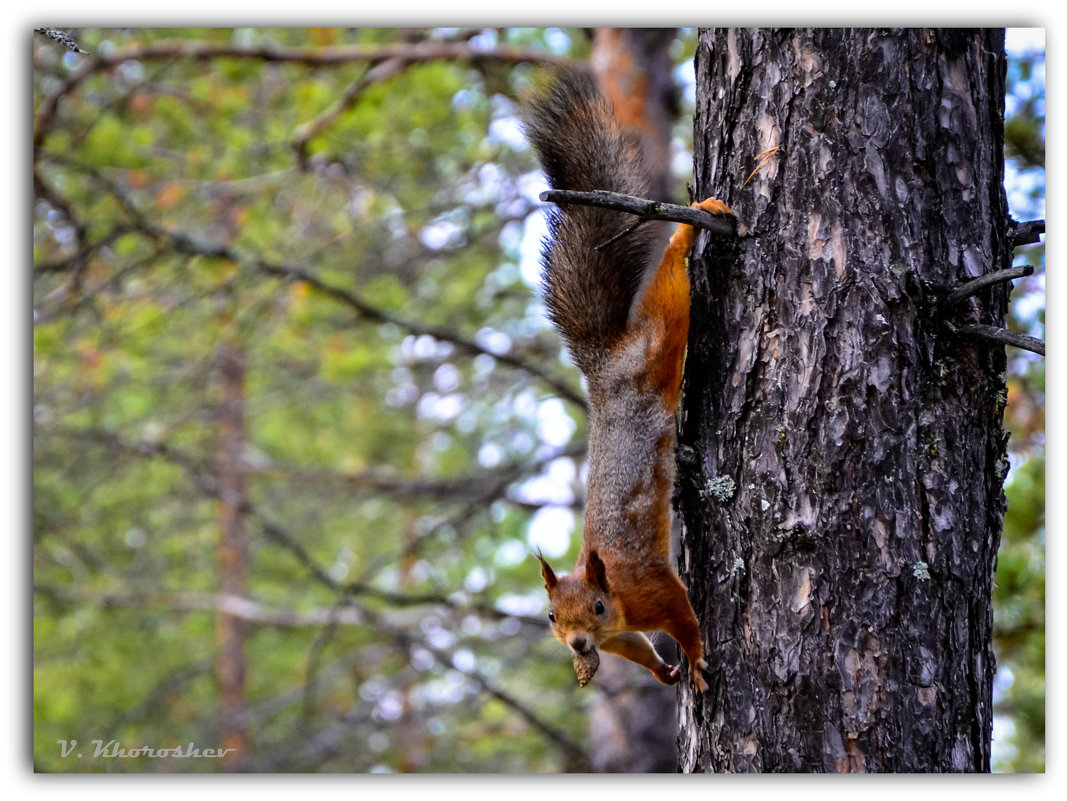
(624, 582)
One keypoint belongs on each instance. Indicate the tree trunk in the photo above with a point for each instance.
(842, 520)
(233, 558)
(634, 70)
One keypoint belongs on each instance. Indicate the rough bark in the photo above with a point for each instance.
(842, 517)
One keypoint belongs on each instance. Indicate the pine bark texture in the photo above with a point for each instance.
(842, 517)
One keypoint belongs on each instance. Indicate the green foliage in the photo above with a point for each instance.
(1024, 128)
(391, 473)
(363, 434)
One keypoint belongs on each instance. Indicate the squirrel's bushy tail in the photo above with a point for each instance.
(588, 291)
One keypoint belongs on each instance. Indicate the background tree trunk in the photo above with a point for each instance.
(231, 663)
(634, 721)
(841, 527)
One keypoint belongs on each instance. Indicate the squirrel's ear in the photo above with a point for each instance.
(595, 572)
(546, 573)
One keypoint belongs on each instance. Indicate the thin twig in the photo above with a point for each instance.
(982, 281)
(196, 246)
(308, 57)
(346, 614)
(761, 161)
(206, 482)
(63, 38)
(1001, 335)
(373, 314)
(623, 233)
(306, 132)
(645, 209)
(573, 750)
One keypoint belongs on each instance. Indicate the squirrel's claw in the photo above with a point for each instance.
(696, 676)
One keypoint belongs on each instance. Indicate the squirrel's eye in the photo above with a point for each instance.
(600, 607)
(551, 616)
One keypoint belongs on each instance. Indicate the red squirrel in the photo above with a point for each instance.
(625, 321)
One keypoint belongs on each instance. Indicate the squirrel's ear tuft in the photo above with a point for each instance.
(595, 572)
(546, 573)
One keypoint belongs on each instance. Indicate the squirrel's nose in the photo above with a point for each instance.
(579, 643)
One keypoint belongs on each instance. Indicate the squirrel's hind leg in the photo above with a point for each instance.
(636, 647)
(683, 627)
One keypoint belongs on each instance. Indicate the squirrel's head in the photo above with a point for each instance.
(581, 608)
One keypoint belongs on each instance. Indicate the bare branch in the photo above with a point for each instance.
(345, 613)
(1001, 335)
(376, 74)
(194, 246)
(483, 487)
(573, 751)
(1027, 233)
(645, 209)
(329, 56)
(308, 57)
(982, 281)
(63, 38)
(397, 623)
(207, 484)
(56, 302)
(369, 312)
(239, 607)
(625, 232)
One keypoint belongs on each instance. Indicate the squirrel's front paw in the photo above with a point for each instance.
(696, 676)
(668, 674)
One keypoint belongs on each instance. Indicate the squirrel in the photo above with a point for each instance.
(625, 321)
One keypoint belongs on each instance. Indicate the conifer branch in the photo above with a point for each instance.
(982, 281)
(1001, 335)
(645, 209)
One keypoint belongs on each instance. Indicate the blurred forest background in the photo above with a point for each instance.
(299, 420)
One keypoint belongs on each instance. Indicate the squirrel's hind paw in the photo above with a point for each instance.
(714, 206)
(696, 676)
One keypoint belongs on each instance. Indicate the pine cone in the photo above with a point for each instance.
(585, 666)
